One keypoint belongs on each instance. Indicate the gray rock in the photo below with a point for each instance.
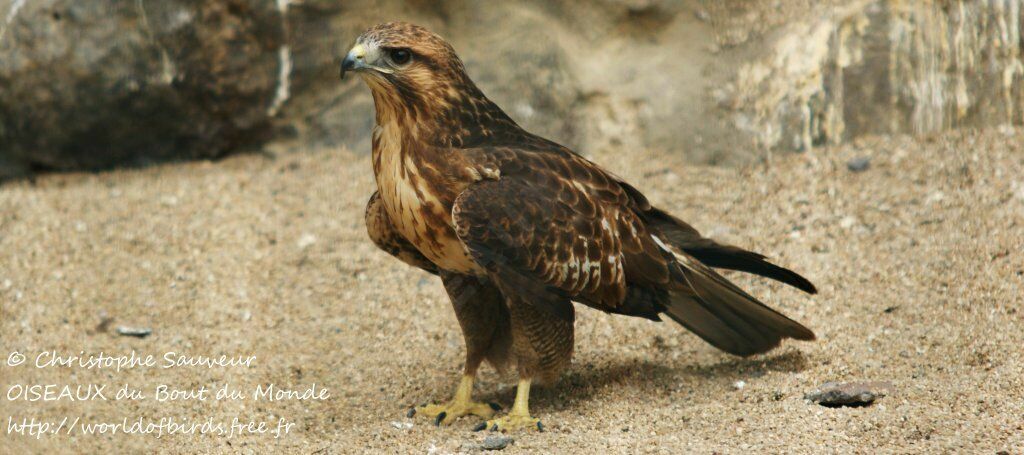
(496, 442)
(834, 394)
(89, 85)
(860, 164)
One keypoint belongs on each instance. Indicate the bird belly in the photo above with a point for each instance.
(419, 215)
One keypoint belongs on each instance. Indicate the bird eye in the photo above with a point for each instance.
(400, 56)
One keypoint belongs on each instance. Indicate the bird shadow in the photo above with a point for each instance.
(585, 381)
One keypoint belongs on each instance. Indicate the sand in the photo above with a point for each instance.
(918, 259)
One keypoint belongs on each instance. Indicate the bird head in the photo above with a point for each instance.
(417, 78)
(404, 58)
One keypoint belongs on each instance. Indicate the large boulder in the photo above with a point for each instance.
(88, 85)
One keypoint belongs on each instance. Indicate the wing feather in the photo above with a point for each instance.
(555, 227)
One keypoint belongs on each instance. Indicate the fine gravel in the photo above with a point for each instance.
(918, 259)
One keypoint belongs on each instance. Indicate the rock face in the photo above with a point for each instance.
(874, 67)
(87, 85)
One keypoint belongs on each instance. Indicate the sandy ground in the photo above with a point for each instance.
(919, 261)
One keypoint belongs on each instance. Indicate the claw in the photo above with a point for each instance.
(495, 406)
(481, 427)
(515, 422)
(412, 412)
(440, 418)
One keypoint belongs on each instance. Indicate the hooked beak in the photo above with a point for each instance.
(363, 58)
(355, 60)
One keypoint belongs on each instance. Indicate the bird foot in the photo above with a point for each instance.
(512, 422)
(446, 413)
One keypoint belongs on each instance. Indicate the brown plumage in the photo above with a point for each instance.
(519, 227)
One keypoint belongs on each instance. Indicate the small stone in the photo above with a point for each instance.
(854, 394)
(495, 442)
(306, 241)
(739, 385)
(860, 164)
(401, 425)
(137, 332)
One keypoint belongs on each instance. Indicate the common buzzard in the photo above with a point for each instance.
(518, 228)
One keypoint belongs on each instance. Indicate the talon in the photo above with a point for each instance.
(412, 412)
(481, 427)
(495, 406)
(460, 405)
(515, 422)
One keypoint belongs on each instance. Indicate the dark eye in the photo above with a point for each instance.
(400, 56)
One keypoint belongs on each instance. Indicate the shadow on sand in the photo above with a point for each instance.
(583, 381)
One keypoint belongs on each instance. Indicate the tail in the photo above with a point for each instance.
(713, 254)
(724, 315)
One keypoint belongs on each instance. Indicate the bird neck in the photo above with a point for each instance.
(458, 115)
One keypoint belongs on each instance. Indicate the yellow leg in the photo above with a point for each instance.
(519, 417)
(461, 404)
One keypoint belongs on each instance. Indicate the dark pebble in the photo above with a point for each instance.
(859, 164)
(495, 442)
(853, 394)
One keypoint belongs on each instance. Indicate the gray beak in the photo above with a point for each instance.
(355, 60)
(347, 64)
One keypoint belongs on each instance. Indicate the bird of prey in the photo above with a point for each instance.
(518, 228)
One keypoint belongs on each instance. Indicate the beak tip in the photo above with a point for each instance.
(347, 64)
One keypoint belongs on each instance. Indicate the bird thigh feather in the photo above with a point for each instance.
(484, 318)
(542, 344)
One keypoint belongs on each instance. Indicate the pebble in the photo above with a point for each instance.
(495, 442)
(305, 241)
(401, 425)
(835, 394)
(860, 164)
(137, 332)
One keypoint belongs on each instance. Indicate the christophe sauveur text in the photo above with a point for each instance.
(33, 394)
